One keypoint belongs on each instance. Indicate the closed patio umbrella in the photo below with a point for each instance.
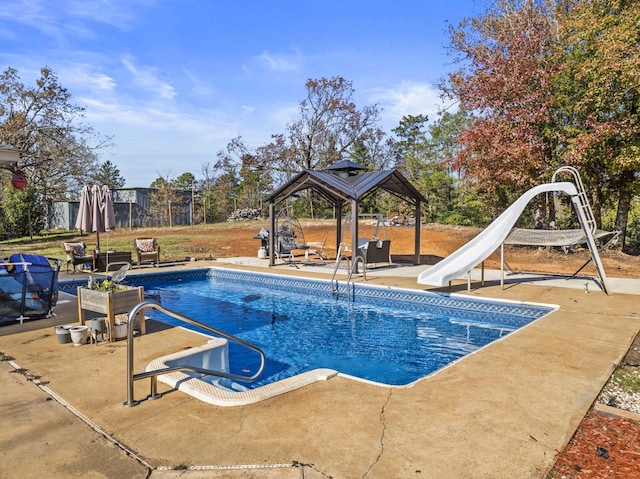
(108, 211)
(96, 214)
(83, 220)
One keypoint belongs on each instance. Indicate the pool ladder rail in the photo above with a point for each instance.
(153, 375)
(353, 268)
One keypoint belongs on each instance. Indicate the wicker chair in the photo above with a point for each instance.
(147, 249)
(316, 248)
(77, 255)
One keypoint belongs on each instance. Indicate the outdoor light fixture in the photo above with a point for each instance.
(19, 181)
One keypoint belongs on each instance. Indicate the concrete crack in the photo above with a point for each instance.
(384, 428)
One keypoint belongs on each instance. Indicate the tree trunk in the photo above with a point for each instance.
(311, 205)
(596, 201)
(540, 219)
(624, 204)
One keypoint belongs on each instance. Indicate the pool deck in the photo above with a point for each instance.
(502, 412)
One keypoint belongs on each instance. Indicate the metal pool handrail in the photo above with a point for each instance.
(352, 268)
(334, 290)
(153, 374)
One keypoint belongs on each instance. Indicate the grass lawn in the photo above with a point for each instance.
(177, 243)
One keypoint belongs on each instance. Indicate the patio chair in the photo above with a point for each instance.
(375, 251)
(77, 256)
(316, 248)
(147, 249)
(286, 246)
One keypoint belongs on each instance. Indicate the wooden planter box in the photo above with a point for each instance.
(110, 303)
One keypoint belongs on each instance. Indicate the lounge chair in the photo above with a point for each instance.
(147, 249)
(316, 248)
(77, 256)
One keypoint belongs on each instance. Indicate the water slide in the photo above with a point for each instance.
(460, 262)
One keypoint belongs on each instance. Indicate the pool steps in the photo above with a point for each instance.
(205, 391)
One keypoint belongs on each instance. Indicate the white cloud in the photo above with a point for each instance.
(280, 62)
(146, 77)
(154, 117)
(66, 19)
(409, 98)
(116, 13)
(86, 77)
(198, 87)
(285, 115)
(247, 110)
(154, 140)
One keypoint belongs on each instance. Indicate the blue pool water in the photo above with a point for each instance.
(384, 335)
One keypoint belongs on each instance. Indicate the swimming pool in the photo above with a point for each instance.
(384, 335)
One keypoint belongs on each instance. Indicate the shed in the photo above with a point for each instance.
(346, 183)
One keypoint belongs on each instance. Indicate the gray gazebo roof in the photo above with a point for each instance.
(348, 188)
(341, 184)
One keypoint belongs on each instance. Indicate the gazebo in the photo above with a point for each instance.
(343, 183)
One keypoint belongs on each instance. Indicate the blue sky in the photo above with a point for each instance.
(173, 81)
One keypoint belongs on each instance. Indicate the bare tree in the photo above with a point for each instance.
(43, 122)
(329, 129)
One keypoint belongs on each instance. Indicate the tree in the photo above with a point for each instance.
(185, 181)
(22, 217)
(164, 197)
(43, 122)
(248, 175)
(224, 201)
(252, 173)
(329, 129)
(599, 97)
(220, 184)
(411, 142)
(552, 82)
(410, 153)
(506, 82)
(425, 156)
(206, 185)
(108, 174)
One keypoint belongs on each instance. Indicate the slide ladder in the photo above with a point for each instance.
(581, 200)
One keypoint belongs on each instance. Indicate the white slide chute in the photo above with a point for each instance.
(460, 262)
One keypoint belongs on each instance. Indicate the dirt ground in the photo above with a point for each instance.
(437, 242)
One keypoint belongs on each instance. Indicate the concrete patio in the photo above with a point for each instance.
(502, 412)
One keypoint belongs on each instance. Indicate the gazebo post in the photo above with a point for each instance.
(272, 234)
(416, 235)
(338, 227)
(354, 229)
